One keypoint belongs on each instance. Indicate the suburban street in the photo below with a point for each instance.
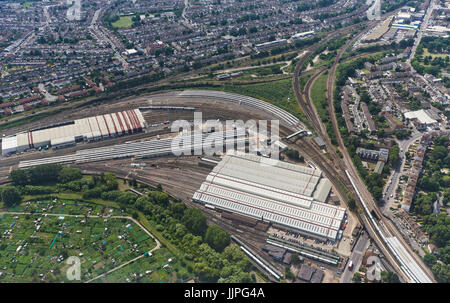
(393, 181)
(423, 27)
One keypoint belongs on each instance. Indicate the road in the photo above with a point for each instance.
(356, 257)
(394, 178)
(95, 17)
(186, 21)
(423, 28)
(48, 20)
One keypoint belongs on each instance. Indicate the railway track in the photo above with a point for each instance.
(387, 249)
(308, 106)
(336, 172)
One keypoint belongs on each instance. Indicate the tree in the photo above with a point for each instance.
(68, 174)
(357, 277)
(295, 259)
(351, 203)
(195, 221)
(11, 196)
(159, 197)
(178, 209)
(19, 177)
(44, 173)
(37, 175)
(394, 157)
(293, 154)
(439, 152)
(389, 277)
(205, 272)
(233, 253)
(217, 238)
(289, 274)
(442, 272)
(377, 193)
(429, 259)
(111, 181)
(126, 198)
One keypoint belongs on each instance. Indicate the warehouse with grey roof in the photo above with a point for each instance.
(278, 192)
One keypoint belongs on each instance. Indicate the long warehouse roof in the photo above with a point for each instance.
(102, 126)
(272, 190)
(285, 176)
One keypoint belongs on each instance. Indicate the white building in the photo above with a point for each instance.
(274, 191)
(87, 129)
(421, 116)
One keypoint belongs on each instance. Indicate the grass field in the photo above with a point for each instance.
(302, 80)
(123, 22)
(279, 93)
(34, 247)
(426, 53)
(320, 100)
(25, 120)
(259, 72)
(27, 4)
(319, 96)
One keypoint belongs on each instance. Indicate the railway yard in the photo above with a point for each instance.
(224, 141)
(273, 210)
(181, 176)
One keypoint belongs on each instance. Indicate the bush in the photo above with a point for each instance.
(195, 221)
(68, 174)
(11, 196)
(217, 238)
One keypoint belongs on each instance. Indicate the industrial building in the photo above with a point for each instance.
(281, 193)
(302, 35)
(67, 134)
(271, 44)
(422, 117)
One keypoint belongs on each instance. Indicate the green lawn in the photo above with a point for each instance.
(319, 96)
(123, 22)
(279, 93)
(259, 72)
(426, 53)
(303, 80)
(27, 4)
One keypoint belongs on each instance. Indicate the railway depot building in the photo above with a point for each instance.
(68, 133)
(281, 193)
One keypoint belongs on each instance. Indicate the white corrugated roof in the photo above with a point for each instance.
(65, 140)
(421, 115)
(241, 183)
(323, 190)
(9, 145)
(102, 125)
